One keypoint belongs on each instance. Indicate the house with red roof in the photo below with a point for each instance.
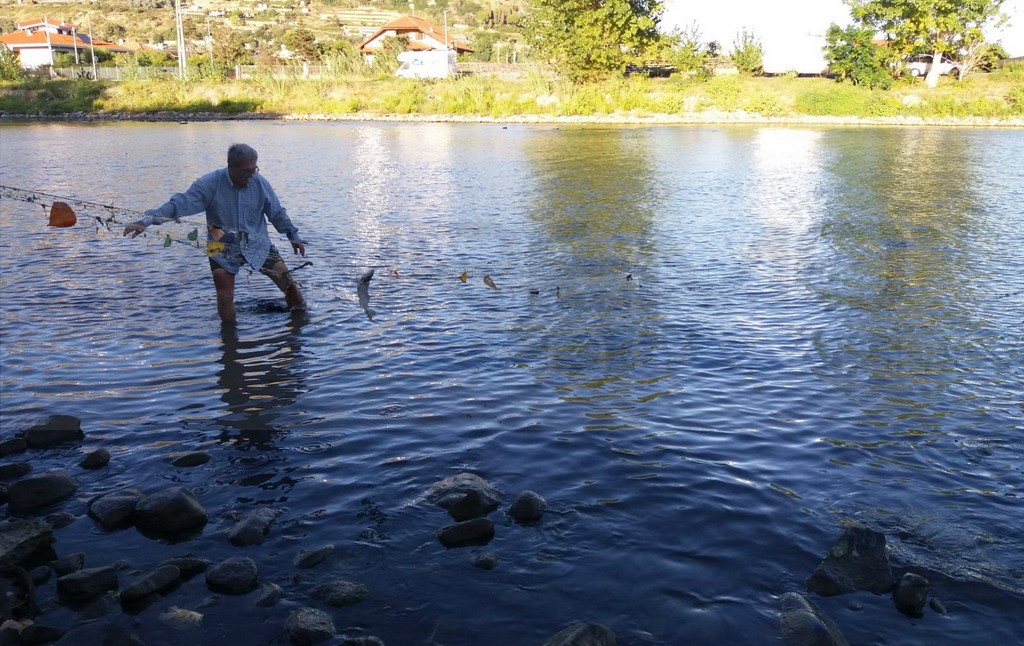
(423, 36)
(37, 41)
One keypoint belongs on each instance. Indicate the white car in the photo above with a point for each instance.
(919, 64)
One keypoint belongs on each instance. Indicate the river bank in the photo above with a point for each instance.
(690, 118)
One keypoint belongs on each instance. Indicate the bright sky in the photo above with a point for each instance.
(777, 21)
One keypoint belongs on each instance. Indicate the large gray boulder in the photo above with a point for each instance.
(309, 626)
(20, 539)
(858, 560)
(54, 430)
(115, 509)
(160, 580)
(804, 624)
(253, 527)
(453, 489)
(41, 490)
(170, 511)
(237, 575)
(470, 532)
(87, 584)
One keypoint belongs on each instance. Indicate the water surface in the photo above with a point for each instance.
(708, 349)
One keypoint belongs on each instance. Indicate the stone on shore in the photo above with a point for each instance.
(469, 532)
(20, 539)
(170, 511)
(911, 594)
(315, 556)
(340, 593)
(858, 560)
(87, 584)
(99, 631)
(160, 580)
(188, 566)
(269, 595)
(71, 563)
(236, 575)
(309, 626)
(38, 491)
(115, 509)
(485, 560)
(54, 430)
(453, 489)
(528, 507)
(96, 459)
(253, 527)
(12, 446)
(14, 470)
(39, 634)
(583, 635)
(192, 459)
(804, 624)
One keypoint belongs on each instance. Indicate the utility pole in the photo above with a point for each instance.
(182, 54)
(92, 50)
(209, 41)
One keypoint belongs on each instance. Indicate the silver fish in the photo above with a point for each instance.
(363, 292)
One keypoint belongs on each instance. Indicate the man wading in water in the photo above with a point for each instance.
(238, 202)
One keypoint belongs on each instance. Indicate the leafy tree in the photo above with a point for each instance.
(982, 56)
(748, 54)
(302, 42)
(683, 49)
(943, 26)
(586, 39)
(853, 56)
(10, 68)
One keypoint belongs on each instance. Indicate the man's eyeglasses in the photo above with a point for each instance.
(248, 171)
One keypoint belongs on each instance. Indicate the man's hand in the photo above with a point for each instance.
(134, 229)
(299, 248)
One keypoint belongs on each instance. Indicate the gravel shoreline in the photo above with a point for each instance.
(710, 117)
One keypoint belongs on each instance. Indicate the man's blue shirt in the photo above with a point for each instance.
(234, 209)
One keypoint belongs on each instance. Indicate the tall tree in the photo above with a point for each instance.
(941, 26)
(584, 39)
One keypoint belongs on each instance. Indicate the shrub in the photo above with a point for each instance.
(724, 92)
(1015, 99)
(853, 57)
(747, 54)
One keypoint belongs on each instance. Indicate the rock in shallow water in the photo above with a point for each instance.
(858, 560)
(253, 527)
(39, 491)
(309, 626)
(86, 585)
(911, 594)
(451, 490)
(804, 624)
(470, 532)
(528, 507)
(170, 511)
(96, 460)
(315, 556)
(341, 593)
(54, 430)
(115, 509)
(233, 576)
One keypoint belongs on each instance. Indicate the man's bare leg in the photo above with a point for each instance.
(224, 281)
(283, 279)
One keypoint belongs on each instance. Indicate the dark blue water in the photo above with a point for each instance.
(708, 349)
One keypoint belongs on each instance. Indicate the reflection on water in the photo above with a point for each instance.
(259, 380)
(707, 348)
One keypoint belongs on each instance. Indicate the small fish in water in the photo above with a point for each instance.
(363, 292)
(181, 618)
(489, 282)
(464, 276)
(393, 272)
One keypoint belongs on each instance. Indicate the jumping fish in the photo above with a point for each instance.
(489, 282)
(464, 276)
(363, 292)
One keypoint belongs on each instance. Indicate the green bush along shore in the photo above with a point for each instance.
(998, 96)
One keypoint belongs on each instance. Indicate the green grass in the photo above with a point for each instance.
(999, 95)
